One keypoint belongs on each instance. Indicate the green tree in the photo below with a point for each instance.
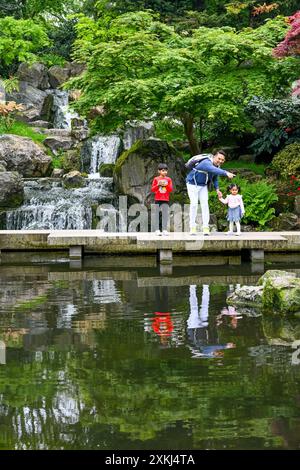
(139, 68)
(19, 41)
(24, 9)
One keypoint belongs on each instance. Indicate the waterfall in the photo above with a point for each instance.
(62, 114)
(101, 149)
(48, 205)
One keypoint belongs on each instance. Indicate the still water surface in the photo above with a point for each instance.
(108, 357)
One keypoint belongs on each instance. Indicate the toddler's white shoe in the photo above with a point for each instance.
(237, 233)
(165, 232)
(157, 232)
(229, 233)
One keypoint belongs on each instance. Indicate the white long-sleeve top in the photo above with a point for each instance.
(234, 201)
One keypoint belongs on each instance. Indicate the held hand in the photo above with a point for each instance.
(219, 193)
(230, 175)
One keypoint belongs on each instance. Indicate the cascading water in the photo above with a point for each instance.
(62, 114)
(48, 205)
(103, 149)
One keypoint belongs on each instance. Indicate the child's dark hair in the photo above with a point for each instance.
(233, 185)
(162, 166)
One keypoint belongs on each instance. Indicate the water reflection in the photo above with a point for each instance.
(205, 342)
(109, 358)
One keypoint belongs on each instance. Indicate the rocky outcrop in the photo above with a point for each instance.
(35, 75)
(136, 168)
(36, 103)
(58, 75)
(73, 180)
(11, 190)
(285, 221)
(281, 293)
(57, 143)
(23, 155)
(277, 292)
(247, 296)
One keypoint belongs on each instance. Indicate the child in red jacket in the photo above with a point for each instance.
(162, 187)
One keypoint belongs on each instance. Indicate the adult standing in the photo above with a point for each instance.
(197, 181)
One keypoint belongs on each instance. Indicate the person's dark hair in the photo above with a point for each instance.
(222, 152)
(162, 166)
(233, 185)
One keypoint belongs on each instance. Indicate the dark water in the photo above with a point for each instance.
(111, 357)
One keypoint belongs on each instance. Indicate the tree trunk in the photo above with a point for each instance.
(188, 123)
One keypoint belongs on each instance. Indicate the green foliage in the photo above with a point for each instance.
(19, 41)
(278, 123)
(50, 59)
(287, 161)
(258, 197)
(258, 169)
(138, 66)
(25, 9)
(62, 37)
(22, 129)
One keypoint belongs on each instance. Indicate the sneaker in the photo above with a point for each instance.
(157, 232)
(193, 231)
(229, 233)
(165, 232)
(205, 230)
(237, 233)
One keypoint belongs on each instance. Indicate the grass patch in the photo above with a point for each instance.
(23, 130)
(259, 169)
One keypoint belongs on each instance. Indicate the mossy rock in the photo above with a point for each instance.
(71, 160)
(281, 295)
(106, 170)
(135, 169)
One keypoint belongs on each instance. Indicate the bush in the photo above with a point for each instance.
(258, 199)
(287, 161)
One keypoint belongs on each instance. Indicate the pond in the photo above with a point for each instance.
(114, 355)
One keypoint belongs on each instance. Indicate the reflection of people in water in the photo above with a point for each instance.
(204, 345)
(162, 323)
(230, 312)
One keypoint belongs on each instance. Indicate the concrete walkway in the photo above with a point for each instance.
(78, 242)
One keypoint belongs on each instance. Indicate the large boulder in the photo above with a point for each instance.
(11, 190)
(35, 75)
(277, 292)
(136, 168)
(37, 104)
(281, 294)
(23, 155)
(285, 222)
(59, 143)
(137, 131)
(58, 75)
